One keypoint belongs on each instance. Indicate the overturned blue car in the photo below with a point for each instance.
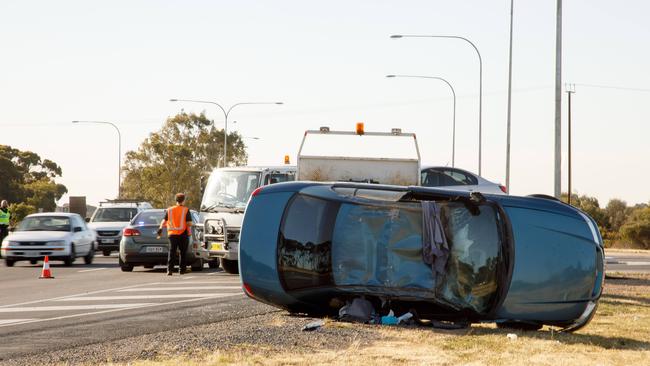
(446, 255)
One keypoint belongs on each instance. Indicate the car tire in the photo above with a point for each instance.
(197, 266)
(214, 263)
(149, 266)
(69, 259)
(520, 326)
(88, 259)
(106, 253)
(125, 267)
(9, 262)
(33, 261)
(230, 266)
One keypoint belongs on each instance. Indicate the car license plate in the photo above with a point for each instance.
(216, 246)
(154, 249)
(107, 241)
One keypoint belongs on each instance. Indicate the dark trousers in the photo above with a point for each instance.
(177, 242)
(4, 231)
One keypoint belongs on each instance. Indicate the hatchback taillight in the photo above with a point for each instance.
(131, 232)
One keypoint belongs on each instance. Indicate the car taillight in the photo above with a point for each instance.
(248, 291)
(131, 232)
(503, 189)
(256, 192)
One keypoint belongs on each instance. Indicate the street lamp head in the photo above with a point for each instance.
(279, 103)
(396, 36)
(390, 76)
(75, 121)
(173, 100)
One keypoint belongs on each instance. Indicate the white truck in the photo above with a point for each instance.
(222, 208)
(359, 156)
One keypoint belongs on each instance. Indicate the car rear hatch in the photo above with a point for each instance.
(149, 235)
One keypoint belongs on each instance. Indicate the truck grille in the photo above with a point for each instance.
(108, 233)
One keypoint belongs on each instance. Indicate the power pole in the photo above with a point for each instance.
(558, 102)
(570, 89)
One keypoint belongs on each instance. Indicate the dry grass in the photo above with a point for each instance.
(618, 335)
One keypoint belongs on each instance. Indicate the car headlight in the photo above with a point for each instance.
(219, 228)
(56, 242)
(12, 243)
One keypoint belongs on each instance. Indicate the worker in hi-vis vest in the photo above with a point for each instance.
(5, 216)
(178, 222)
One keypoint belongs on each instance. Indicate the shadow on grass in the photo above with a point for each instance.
(618, 343)
(624, 280)
(611, 299)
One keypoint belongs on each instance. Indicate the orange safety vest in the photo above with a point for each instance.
(176, 220)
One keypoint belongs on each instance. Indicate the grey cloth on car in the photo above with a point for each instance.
(435, 249)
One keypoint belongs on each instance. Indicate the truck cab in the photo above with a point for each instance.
(225, 197)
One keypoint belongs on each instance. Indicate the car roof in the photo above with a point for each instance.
(62, 214)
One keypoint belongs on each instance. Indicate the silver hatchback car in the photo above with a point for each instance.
(458, 179)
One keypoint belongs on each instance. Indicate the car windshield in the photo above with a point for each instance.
(45, 223)
(114, 214)
(229, 189)
(153, 217)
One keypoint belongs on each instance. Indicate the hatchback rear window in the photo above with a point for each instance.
(149, 218)
(305, 248)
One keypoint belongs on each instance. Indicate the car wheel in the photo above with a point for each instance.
(10, 262)
(69, 259)
(125, 267)
(106, 253)
(230, 266)
(149, 266)
(33, 261)
(88, 259)
(197, 265)
(519, 326)
(213, 263)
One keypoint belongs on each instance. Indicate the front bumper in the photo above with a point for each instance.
(108, 243)
(18, 253)
(223, 250)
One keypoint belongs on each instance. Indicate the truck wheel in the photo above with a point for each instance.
(10, 262)
(106, 253)
(125, 267)
(230, 266)
(214, 263)
(197, 266)
(88, 259)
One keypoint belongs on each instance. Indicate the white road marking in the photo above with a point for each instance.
(112, 310)
(187, 278)
(10, 321)
(72, 307)
(82, 294)
(138, 289)
(637, 263)
(91, 270)
(138, 297)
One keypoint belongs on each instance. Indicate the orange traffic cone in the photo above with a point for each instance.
(46, 273)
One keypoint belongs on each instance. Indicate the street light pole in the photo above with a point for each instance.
(226, 113)
(453, 92)
(119, 153)
(558, 102)
(480, 88)
(570, 89)
(509, 103)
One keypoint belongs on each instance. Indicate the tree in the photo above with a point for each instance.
(616, 212)
(636, 229)
(174, 158)
(28, 181)
(590, 206)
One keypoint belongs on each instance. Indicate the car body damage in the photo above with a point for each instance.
(460, 256)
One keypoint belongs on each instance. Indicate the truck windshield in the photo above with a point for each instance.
(229, 189)
(114, 214)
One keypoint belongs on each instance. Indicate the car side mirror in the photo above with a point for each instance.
(87, 219)
(77, 229)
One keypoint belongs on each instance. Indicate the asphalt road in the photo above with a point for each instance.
(87, 304)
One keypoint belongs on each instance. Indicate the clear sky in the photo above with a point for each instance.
(121, 61)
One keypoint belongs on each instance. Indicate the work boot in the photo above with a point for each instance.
(169, 273)
(182, 271)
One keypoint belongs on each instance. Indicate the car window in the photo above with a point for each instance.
(446, 177)
(114, 214)
(280, 177)
(306, 242)
(148, 218)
